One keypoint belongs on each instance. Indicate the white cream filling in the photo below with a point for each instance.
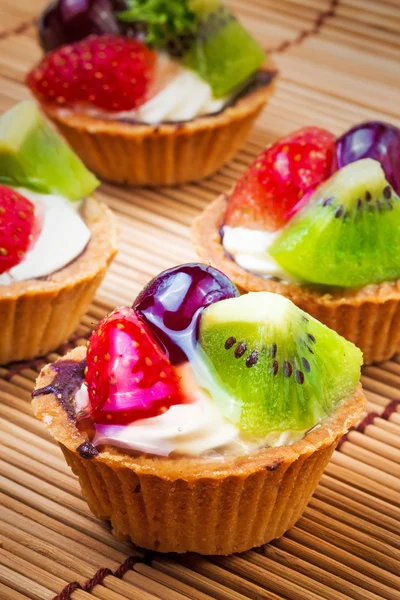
(62, 238)
(184, 97)
(249, 249)
(195, 429)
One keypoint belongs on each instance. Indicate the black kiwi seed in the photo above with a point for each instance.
(327, 201)
(368, 196)
(240, 350)
(230, 342)
(275, 367)
(252, 359)
(359, 204)
(306, 364)
(311, 338)
(274, 350)
(287, 368)
(339, 212)
(312, 352)
(300, 377)
(387, 192)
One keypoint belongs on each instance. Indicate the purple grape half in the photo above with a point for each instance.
(67, 21)
(172, 303)
(377, 140)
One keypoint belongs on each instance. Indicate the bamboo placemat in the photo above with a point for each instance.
(339, 63)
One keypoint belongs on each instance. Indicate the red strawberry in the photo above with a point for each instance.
(110, 72)
(129, 377)
(277, 183)
(16, 225)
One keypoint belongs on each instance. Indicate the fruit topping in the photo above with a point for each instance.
(129, 377)
(376, 140)
(66, 21)
(223, 53)
(165, 25)
(347, 234)
(203, 34)
(280, 180)
(172, 302)
(33, 155)
(109, 72)
(17, 217)
(279, 368)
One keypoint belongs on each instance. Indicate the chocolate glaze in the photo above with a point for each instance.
(69, 377)
(87, 450)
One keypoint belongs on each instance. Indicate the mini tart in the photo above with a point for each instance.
(165, 154)
(194, 504)
(368, 316)
(38, 315)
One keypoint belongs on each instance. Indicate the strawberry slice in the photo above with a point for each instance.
(128, 376)
(281, 178)
(110, 72)
(17, 217)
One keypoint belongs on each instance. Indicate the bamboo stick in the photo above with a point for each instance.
(60, 533)
(7, 593)
(360, 583)
(342, 554)
(352, 507)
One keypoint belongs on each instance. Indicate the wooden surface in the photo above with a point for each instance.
(339, 65)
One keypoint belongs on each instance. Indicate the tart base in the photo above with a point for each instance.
(369, 316)
(194, 504)
(39, 315)
(167, 154)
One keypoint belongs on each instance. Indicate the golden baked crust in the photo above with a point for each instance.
(38, 315)
(195, 504)
(63, 429)
(164, 154)
(368, 316)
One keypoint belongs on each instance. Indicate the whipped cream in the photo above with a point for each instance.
(249, 249)
(195, 429)
(63, 236)
(178, 94)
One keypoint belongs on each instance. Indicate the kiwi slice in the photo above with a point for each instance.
(222, 52)
(348, 233)
(33, 155)
(278, 369)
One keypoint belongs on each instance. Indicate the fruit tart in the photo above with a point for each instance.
(56, 241)
(167, 94)
(318, 219)
(200, 420)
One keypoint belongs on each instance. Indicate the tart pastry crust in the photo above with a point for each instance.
(165, 154)
(38, 315)
(195, 504)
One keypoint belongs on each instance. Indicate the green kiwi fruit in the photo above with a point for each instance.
(278, 369)
(33, 155)
(348, 233)
(222, 52)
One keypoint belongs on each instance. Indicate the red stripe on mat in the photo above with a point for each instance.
(21, 28)
(100, 575)
(306, 33)
(369, 419)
